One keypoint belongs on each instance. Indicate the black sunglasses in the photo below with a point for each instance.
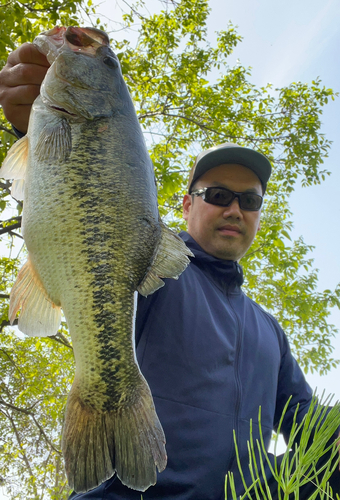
(224, 197)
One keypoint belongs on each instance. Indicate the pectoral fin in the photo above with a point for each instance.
(39, 316)
(54, 141)
(170, 260)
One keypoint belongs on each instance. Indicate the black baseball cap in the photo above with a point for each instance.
(230, 152)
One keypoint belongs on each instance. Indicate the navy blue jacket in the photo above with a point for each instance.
(211, 357)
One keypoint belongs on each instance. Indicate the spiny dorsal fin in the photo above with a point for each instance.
(170, 260)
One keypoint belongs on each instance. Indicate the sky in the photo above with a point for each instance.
(295, 40)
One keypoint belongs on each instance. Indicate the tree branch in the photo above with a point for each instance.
(44, 435)
(30, 414)
(12, 362)
(6, 322)
(6, 187)
(256, 250)
(5, 129)
(8, 229)
(134, 10)
(58, 337)
(16, 234)
(4, 222)
(25, 459)
(61, 339)
(31, 9)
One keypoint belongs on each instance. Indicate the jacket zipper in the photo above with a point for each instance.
(237, 375)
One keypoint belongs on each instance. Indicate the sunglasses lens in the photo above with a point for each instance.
(250, 201)
(223, 197)
(218, 196)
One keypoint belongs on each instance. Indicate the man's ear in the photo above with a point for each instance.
(187, 202)
(259, 227)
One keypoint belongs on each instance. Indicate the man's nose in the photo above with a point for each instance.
(233, 210)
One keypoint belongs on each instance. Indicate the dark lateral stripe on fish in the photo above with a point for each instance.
(113, 344)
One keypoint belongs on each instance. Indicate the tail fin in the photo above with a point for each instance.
(129, 440)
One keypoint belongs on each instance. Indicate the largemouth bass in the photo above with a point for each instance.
(94, 236)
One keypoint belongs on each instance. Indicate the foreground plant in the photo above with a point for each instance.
(311, 456)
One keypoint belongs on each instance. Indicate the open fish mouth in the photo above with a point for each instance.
(86, 37)
(57, 44)
(84, 40)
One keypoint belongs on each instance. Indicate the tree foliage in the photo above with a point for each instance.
(187, 98)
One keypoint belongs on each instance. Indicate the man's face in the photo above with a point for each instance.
(224, 232)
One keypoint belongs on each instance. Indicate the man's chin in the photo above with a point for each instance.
(227, 248)
(225, 253)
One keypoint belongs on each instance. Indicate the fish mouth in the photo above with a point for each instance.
(81, 40)
(86, 37)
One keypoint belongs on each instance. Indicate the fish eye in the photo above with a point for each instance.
(110, 62)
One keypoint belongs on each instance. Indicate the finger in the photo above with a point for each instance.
(18, 104)
(27, 53)
(22, 74)
(23, 94)
(19, 116)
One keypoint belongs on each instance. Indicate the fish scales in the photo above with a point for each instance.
(94, 237)
(100, 256)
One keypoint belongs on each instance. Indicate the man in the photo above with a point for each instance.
(211, 356)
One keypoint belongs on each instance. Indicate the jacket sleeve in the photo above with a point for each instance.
(144, 306)
(17, 132)
(291, 384)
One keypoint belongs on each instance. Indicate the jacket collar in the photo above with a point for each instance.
(227, 273)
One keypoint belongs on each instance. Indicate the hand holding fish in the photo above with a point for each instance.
(20, 81)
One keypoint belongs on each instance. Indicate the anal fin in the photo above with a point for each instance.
(39, 316)
(170, 260)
